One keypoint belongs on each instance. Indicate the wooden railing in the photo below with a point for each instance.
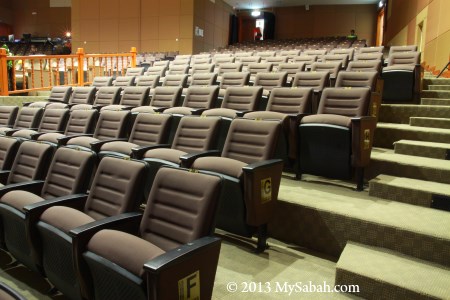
(42, 72)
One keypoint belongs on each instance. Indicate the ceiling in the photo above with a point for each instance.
(259, 4)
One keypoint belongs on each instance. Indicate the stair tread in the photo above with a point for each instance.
(415, 184)
(360, 206)
(413, 128)
(387, 266)
(426, 162)
(424, 143)
(431, 118)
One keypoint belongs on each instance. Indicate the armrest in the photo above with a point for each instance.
(138, 152)
(128, 222)
(95, 146)
(4, 176)
(261, 185)
(62, 141)
(34, 186)
(198, 111)
(363, 129)
(166, 274)
(76, 201)
(159, 109)
(188, 159)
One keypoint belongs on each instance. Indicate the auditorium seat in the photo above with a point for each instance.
(291, 69)
(202, 68)
(20, 235)
(233, 79)
(342, 58)
(159, 256)
(178, 80)
(80, 95)
(151, 81)
(371, 50)
(246, 60)
(275, 61)
(115, 189)
(401, 49)
(375, 56)
(178, 69)
(162, 97)
(8, 150)
(156, 70)
(137, 71)
(100, 81)
(363, 66)
(290, 54)
(28, 117)
(196, 100)
(253, 69)
(132, 96)
(161, 63)
(349, 51)
(106, 95)
(58, 94)
(200, 61)
(308, 60)
(332, 67)
(227, 68)
(316, 80)
(223, 60)
(337, 141)
(251, 175)
(268, 81)
(8, 115)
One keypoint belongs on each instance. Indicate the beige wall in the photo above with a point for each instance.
(403, 28)
(48, 21)
(214, 19)
(326, 20)
(117, 25)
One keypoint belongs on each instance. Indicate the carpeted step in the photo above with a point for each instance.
(385, 161)
(20, 100)
(425, 149)
(400, 113)
(430, 122)
(387, 134)
(435, 81)
(411, 191)
(435, 101)
(385, 274)
(435, 94)
(439, 87)
(314, 215)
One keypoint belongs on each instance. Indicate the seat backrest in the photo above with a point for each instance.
(60, 93)
(357, 79)
(175, 80)
(291, 68)
(116, 187)
(108, 95)
(180, 62)
(404, 58)
(135, 96)
(363, 66)
(307, 59)
(178, 69)
(316, 80)
(135, 71)
(276, 60)
(332, 67)
(111, 125)
(202, 68)
(290, 53)
(124, 81)
(319, 53)
(234, 79)
(242, 98)
(246, 60)
(230, 67)
(203, 79)
(28, 117)
(196, 134)
(407, 48)
(83, 95)
(156, 70)
(166, 96)
(290, 100)
(8, 115)
(378, 49)
(81, 121)
(243, 54)
(192, 199)
(161, 63)
(372, 56)
(349, 51)
(150, 129)
(352, 102)
(259, 68)
(8, 150)
(31, 162)
(201, 60)
(270, 80)
(54, 120)
(251, 141)
(223, 60)
(69, 172)
(100, 81)
(147, 80)
(201, 96)
(342, 58)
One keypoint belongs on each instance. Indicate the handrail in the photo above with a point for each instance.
(42, 72)
(444, 69)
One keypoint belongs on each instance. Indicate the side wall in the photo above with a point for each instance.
(404, 23)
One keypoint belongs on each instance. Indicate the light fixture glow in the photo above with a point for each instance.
(380, 4)
(256, 13)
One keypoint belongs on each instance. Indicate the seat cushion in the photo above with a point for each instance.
(24, 133)
(399, 68)
(143, 109)
(113, 107)
(180, 110)
(171, 155)
(221, 112)
(65, 218)
(221, 165)
(328, 119)
(82, 107)
(50, 137)
(84, 141)
(132, 257)
(4, 129)
(119, 146)
(20, 199)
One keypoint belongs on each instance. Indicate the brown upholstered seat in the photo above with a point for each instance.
(53, 120)
(148, 80)
(252, 145)
(8, 150)
(268, 81)
(28, 117)
(308, 60)
(162, 97)
(59, 94)
(8, 115)
(246, 60)
(378, 49)
(233, 79)
(69, 173)
(375, 56)
(337, 141)
(178, 219)
(115, 189)
(132, 96)
(237, 99)
(175, 80)
(156, 70)
(336, 58)
(124, 81)
(101, 81)
(196, 100)
(363, 66)
(316, 80)
(254, 69)
(137, 71)
(291, 69)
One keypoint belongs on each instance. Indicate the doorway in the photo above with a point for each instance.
(380, 27)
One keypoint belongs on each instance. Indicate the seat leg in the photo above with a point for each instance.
(262, 239)
(359, 179)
